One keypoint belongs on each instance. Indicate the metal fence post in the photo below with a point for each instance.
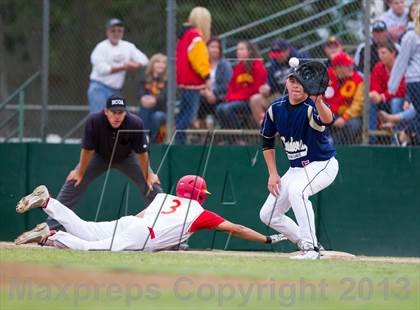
(170, 51)
(21, 115)
(366, 72)
(44, 66)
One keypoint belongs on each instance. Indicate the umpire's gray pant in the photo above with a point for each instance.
(70, 195)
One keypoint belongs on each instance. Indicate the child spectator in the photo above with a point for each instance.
(153, 96)
(248, 76)
(345, 96)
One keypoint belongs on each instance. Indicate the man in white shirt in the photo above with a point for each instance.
(396, 19)
(111, 59)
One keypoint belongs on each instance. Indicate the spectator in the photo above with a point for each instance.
(153, 95)
(396, 19)
(192, 67)
(379, 96)
(379, 35)
(408, 65)
(281, 52)
(345, 96)
(332, 47)
(412, 13)
(248, 76)
(221, 72)
(111, 59)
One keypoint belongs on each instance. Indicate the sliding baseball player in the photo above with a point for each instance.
(167, 222)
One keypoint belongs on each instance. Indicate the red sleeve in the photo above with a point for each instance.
(206, 220)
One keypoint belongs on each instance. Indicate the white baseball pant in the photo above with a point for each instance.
(130, 231)
(296, 186)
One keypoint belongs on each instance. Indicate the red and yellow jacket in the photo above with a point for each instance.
(379, 82)
(192, 60)
(244, 84)
(345, 97)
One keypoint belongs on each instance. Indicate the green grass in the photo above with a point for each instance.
(330, 284)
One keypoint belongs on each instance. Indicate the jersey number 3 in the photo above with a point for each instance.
(176, 205)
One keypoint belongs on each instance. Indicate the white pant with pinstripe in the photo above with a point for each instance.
(296, 186)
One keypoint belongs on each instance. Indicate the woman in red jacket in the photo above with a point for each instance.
(248, 75)
(192, 67)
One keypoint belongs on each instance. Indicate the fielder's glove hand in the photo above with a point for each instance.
(276, 238)
(313, 76)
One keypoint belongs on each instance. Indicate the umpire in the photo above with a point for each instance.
(130, 155)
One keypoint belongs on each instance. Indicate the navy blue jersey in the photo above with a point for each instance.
(300, 129)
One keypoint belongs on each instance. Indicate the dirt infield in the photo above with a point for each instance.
(326, 254)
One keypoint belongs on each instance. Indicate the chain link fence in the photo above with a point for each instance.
(277, 30)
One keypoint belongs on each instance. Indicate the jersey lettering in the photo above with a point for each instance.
(176, 205)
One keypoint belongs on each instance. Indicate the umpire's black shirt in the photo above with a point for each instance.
(100, 136)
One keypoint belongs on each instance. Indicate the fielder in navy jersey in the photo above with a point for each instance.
(301, 122)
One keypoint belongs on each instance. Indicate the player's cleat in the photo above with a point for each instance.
(306, 255)
(35, 235)
(307, 252)
(36, 199)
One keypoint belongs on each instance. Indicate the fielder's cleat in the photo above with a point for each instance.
(306, 255)
(35, 235)
(34, 200)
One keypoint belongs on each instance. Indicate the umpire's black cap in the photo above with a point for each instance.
(116, 103)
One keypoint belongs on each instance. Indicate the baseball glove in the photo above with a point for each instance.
(313, 75)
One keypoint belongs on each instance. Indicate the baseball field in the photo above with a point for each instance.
(33, 277)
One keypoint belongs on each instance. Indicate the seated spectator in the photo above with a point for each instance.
(248, 76)
(221, 72)
(192, 68)
(152, 95)
(332, 47)
(281, 52)
(396, 19)
(345, 97)
(380, 35)
(379, 96)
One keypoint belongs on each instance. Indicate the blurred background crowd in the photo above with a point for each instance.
(231, 63)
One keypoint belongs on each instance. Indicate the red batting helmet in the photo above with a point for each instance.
(192, 187)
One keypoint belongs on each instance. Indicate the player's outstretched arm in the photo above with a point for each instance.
(247, 233)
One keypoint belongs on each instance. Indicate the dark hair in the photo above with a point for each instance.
(389, 45)
(253, 53)
(216, 39)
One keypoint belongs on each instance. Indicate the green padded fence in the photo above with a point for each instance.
(372, 208)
